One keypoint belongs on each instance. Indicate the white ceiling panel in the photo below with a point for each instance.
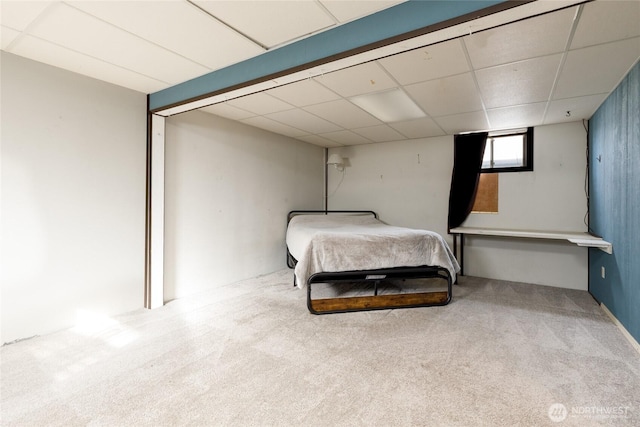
(346, 137)
(19, 14)
(305, 121)
(228, 111)
(380, 133)
(365, 78)
(343, 113)
(427, 63)
(596, 69)
(419, 128)
(178, 26)
(84, 33)
(318, 140)
(534, 37)
(466, 122)
(273, 126)
(568, 110)
(517, 116)
(260, 103)
(446, 96)
(303, 93)
(7, 36)
(270, 23)
(348, 10)
(522, 82)
(606, 21)
(49, 53)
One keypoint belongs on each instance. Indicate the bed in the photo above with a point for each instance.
(347, 247)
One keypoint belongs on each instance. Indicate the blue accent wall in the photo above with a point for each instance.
(394, 21)
(614, 201)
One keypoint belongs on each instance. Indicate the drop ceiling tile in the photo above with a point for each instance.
(228, 111)
(349, 10)
(303, 93)
(446, 96)
(466, 122)
(419, 128)
(7, 36)
(539, 36)
(380, 133)
(49, 53)
(86, 34)
(178, 26)
(365, 78)
(320, 141)
(343, 113)
(522, 82)
(19, 14)
(270, 22)
(273, 126)
(346, 137)
(581, 108)
(596, 69)
(517, 116)
(603, 22)
(427, 63)
(304, 120)
(260, 103)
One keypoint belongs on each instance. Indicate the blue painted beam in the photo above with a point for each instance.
(394, 22)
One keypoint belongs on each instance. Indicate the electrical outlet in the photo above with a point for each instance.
(602, 271)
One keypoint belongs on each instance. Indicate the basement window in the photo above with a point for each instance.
(509, 151)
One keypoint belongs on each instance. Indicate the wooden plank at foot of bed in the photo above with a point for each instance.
(377, 302)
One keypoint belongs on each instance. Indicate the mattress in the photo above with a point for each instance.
(334, 243)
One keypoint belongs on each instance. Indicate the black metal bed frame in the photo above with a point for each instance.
(373, 277)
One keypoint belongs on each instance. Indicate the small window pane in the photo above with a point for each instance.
(508, 151)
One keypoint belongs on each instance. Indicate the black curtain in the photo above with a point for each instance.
(467, 162)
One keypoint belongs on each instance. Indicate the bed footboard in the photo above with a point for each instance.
(372, 279)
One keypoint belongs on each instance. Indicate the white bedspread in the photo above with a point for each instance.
(332, 243)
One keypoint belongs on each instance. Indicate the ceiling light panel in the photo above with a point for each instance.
(349, 10)
(260, 103)
(357, 80)
(446, 96)
(178, 26)
(343, 113)
(84, 33)
(389, 106)
(303, 93)
(596, 69)
(542, 35)
(603, 22)
(521, 82)
(427, 63)
(270, 23)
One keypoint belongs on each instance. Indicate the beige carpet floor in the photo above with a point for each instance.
(500, 354)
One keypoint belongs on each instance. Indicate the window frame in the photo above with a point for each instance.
(527, 150)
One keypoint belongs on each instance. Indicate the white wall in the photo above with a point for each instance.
(73, 198)
(228, 190)
(408, 184)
